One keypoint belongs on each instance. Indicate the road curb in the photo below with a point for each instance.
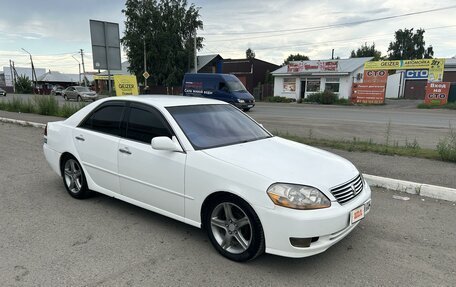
(22, 123)
(427, 190)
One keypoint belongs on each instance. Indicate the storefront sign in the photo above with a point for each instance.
(313, 66)
(435, 66)
(368, 93)
(126, 85)
(375, 76)
(437, 93)
(416, 74)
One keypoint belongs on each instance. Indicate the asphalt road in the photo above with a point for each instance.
(365, 122)
(49, 239)
(407, 123)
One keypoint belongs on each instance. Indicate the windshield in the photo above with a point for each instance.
(82, 89)
(208, 126)
(235, 86)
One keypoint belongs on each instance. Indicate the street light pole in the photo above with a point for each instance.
(79, 68)
(34, 79)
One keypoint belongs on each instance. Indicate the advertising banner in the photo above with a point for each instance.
(435, 66)
(437, 93)
(375, 76)
(368, 93)
(313, 66)
(436, 70)
(126, 85)
(416, 74)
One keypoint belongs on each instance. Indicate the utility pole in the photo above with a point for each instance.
(332, 54)
(79, 68)
(12, 78)
(196, 59)
(34, 79)
(145, 60)
(83, 67)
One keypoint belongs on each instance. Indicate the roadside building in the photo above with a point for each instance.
(47, 81)
(411, 84)
(9, 75)
(299, 79)
(251, 72)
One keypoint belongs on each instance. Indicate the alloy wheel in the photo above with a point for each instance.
(73, 176)
(231, 227)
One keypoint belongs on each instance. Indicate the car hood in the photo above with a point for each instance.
(282, 160)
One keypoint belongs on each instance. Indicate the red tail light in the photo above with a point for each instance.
(46, 130)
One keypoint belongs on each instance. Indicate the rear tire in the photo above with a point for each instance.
(74, 178)
(234, 228)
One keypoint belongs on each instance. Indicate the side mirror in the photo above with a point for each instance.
(165, 143)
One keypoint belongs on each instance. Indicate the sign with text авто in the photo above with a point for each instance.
(437, 93)
(435, 66)
(126, 85)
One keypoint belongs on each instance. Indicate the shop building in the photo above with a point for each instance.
(299, 79)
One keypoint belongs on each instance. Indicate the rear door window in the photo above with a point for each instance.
(106, 119)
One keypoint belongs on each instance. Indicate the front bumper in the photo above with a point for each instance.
(330, 225)
(89, 97)
(244, 105)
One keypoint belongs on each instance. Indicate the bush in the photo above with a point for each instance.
(326, 98)
(277, 99)
(23, 85)
(68, 110)
(46, 105)
(447, 147)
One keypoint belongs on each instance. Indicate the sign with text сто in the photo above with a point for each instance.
(126, 85)
(375, 76)
(435, 66)
(437, 93)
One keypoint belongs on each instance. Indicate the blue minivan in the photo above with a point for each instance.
(223, 87)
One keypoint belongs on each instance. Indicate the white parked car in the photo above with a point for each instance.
(206, 163)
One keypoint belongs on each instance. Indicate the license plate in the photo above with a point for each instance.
(249, 106)
(357, 214)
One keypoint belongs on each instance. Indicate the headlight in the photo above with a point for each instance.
(297, 196)
(240, 101)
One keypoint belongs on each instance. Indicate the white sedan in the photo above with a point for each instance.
(205, 163)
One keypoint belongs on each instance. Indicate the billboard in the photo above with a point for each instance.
(369, 93)
(105, 45)
(125, 85)
(434, 66)
(437, 93)
(374, 76)
(313, 66)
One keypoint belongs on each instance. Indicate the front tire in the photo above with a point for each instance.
(65, 97)
(79, 99)
(234, 229)
(74, 178)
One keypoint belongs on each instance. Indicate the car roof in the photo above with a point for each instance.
(167, 100)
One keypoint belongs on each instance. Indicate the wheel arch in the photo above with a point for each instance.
(213, 196)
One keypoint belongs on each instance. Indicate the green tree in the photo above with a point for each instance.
(409, 45)
(165, 29)
(295, 57)
(249, 54)
(366, 51)
(23, 85)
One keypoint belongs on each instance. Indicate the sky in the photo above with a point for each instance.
(54, 31)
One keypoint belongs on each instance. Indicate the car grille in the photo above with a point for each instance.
(349, 190)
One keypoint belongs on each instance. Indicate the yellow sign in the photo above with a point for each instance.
(126, 85)
(435, 66)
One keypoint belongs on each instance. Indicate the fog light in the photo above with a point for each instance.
(302, 242)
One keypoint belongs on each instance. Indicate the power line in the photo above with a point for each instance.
(318, 28)
(335, 41)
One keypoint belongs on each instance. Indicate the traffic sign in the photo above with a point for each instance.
(146, 75)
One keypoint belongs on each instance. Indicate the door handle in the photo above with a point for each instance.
(125, 151)
(80, 138)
